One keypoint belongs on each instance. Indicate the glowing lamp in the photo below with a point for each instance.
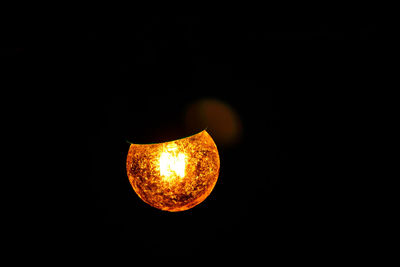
(175, 175)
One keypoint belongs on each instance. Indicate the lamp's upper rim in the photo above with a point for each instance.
(172, 140)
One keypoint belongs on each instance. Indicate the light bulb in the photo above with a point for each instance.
(175, 175)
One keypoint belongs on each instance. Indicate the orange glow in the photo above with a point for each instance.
(175, 175)
(218, 117)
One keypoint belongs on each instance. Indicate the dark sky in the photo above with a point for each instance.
(290, 81)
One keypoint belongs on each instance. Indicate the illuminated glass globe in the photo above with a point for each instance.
(175, 175)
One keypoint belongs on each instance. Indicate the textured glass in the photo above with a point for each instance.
(175, 175)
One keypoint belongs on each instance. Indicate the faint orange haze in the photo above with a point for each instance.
(218, 117)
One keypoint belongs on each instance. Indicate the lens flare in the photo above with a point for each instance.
(218, 117)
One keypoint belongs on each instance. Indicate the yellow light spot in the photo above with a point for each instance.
(171, 164)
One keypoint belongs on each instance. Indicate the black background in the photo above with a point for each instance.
(291, 80)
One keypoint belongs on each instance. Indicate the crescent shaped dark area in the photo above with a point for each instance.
(281, 95)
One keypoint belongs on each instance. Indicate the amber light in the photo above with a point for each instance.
(175, 175)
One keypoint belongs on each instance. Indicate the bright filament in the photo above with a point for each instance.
(172, 163)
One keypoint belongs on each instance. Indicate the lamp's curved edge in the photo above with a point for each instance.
(155, 143)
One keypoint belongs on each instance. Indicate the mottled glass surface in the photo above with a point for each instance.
(176, 175)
